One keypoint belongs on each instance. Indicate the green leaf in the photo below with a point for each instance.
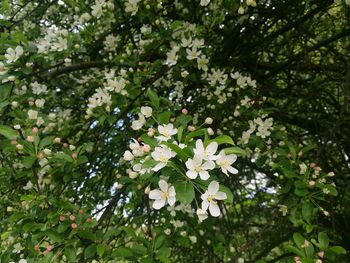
(100, 249)
(295, 250)
(222, 139)
(306, 211)
(179, 133)
(183, 120)
(153, 98)
(180, 152)
(338, 250)
(194, 134)
(69, 252)
(28, 161)
(159, 241)
(235, 150)
(298, 239)
(301, 191)
(90, 251)
(164, 117)
(149, 163)
(46, 141)
(63, 157)
(8, 132)
(122, 252)
(309, 250)
(184, 192)
(323, 240)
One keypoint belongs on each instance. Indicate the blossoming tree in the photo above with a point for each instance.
(174, 131)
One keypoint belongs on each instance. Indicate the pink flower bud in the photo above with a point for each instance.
(62, 218)
(30, 138)
(71, 217)
(74, 225)
(57, 140)
(321, 254)
(191, 128)
(35, 130)
(312, 165)
(184, 111)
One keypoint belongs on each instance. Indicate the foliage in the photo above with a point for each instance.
(174, 131)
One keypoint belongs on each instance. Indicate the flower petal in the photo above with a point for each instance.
(158, 167)
(171, 191)
(204, 175)
(192, 174)
(190, 164)
(171, 200)
(163, 185)
(213, 188)
(155, 194)
(220, 196)
(205, 205)
(212, 147)
(232, 158)
(210, 165)
(214, 209)
(232, 170)
(158, 204)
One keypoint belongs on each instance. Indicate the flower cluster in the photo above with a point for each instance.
(199, 159)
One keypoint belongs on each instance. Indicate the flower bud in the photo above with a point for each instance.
(147, 190)
(312, 183)
(71, 217)
(74, 225)
(30, 138)
(19, 147)
(208, 121)
(184, 111)
(57, 140)
(146, 148)
(191, 128)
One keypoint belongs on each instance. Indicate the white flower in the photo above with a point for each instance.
(209, 199)
(208, 121)
(2, 69)
(165, 194)
(128, 156)
(147, 111)
(202, 63)
(204, 2)
(172, 57)
(162, 155)
(137, 124)
(202, 214)
(32, 114)
(192, 53)
(193, 239)
(22, 261)
(17, 248)
(225, 162)
(196, 166)
(132, 7)
(28, 186)
(303, 168)
(207, 153)
(166, 131)
(40, 103)
(13, 54)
